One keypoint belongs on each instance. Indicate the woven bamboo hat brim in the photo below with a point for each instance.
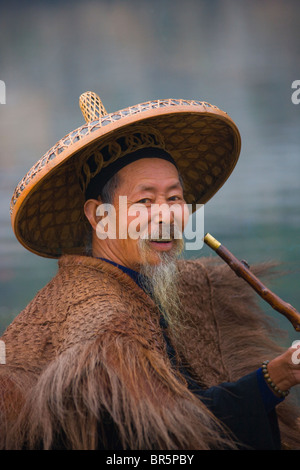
(47, 205)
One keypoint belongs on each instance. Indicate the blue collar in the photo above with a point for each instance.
(133, 274)
(136, 276)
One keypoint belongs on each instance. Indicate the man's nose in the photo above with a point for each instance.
(163, 214)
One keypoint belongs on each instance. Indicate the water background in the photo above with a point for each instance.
(240, 55)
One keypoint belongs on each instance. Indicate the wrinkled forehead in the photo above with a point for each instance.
(149, 174)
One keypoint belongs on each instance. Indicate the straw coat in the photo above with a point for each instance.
(87, 365)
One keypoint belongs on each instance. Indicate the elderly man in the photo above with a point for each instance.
(129, 347)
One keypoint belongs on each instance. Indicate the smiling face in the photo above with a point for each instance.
(147, 184)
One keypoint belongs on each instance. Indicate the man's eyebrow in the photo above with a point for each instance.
(144, 187)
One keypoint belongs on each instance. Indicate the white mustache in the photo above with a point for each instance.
(163, 232)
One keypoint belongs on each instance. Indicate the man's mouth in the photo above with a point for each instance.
(163, 239)
(161, 243)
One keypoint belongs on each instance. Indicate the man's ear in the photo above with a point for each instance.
(90, 208)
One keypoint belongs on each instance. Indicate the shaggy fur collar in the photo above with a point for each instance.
(90, 344)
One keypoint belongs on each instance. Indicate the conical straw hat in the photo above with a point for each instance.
(47, 205)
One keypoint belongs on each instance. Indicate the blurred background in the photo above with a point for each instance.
(241, 55)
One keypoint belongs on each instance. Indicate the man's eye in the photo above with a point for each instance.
(144, 201)
(174, 198)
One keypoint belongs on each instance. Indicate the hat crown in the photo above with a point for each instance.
(91, 106)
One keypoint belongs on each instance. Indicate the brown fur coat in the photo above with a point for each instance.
(89, 345)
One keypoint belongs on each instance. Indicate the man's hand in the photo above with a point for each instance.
(284, 370)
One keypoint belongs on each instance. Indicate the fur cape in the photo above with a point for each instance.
(89, 350)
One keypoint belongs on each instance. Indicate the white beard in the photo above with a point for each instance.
(161, 280)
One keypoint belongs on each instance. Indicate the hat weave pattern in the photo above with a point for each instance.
(126, 142)
(47, 205)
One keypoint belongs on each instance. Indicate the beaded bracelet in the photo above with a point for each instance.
(269, 381)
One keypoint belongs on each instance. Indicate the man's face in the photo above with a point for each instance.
(146, 183)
